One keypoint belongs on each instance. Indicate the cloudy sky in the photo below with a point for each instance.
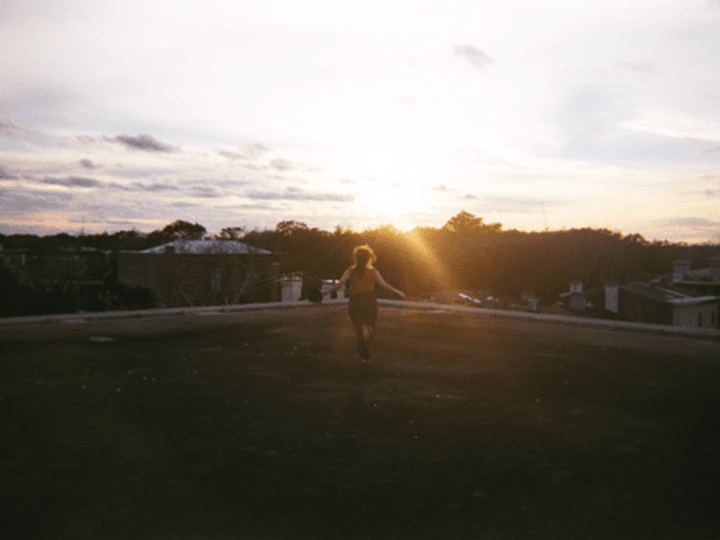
(130, 114)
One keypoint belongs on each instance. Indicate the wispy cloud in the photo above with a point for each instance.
(73, 182)
(495, 203)
(140, 186)
(4, 175)
(247, 152)
(231, 154)
(204, 192)
(281, 164)
(297, 194)
(87, 164)
(184, 204)
(710, 150)
(145, 142)
(155, 187)
(694, 223)
(16, 203)
(476, 57)
(9, 128)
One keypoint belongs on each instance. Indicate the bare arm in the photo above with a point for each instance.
(339, 284)
(385, 285)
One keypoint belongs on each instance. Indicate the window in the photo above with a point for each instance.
(699, 319)
(216, 281)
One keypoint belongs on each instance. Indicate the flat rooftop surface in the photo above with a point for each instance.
(266, 425)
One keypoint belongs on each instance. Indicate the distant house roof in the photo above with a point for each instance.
(204, 247)
(668, 294)
(702, 275)
(695, 301)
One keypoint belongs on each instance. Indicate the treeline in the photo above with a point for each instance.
(465, 253)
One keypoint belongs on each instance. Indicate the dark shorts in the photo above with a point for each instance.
(362, 308)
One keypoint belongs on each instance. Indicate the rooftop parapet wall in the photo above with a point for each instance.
(600, 324)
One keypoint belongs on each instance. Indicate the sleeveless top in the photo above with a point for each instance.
(364, 284)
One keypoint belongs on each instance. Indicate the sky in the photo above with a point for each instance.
(129, 114)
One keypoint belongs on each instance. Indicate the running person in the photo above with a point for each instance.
(361, 279)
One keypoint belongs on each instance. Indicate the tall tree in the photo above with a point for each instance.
(230, 233)
(466, 224)
(183, 230)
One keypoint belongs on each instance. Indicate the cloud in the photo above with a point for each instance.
(712, 193)
(154, 187)
(140, 172)
(145, 142)
(140, 186)
(183, 204)
(231, 154)
(247, 152)
(694, 223)
(73, 182)
(282, 164)
(204, 192)
(21, 203)
(526, 205)
(711, 150)
(441, 187)
(9, 128)
(296, 194)
(469, 196)
(87, 164)
(255, 149)
(4, 175)
(115, 185)
(475, 56)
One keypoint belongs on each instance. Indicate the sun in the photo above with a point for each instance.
(389, 201)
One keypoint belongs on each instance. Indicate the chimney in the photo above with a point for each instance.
(680, 269)
(612, 297)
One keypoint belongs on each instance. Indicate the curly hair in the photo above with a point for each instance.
(363, 259)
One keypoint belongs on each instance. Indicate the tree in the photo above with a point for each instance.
(230, 233)
(466, 224)
(290, 227)
(183, 230)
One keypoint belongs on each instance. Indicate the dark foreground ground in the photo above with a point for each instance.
(265, 425)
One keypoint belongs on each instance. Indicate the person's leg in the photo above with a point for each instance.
(372, 314)
(368, 332)
(362, 309)
(362, 345)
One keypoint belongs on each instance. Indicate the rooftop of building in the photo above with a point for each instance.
(207, 247)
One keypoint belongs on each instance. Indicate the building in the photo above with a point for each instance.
(576, 299)
(13, 259)
(704, 281)
(201, 272)
(660, 303)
